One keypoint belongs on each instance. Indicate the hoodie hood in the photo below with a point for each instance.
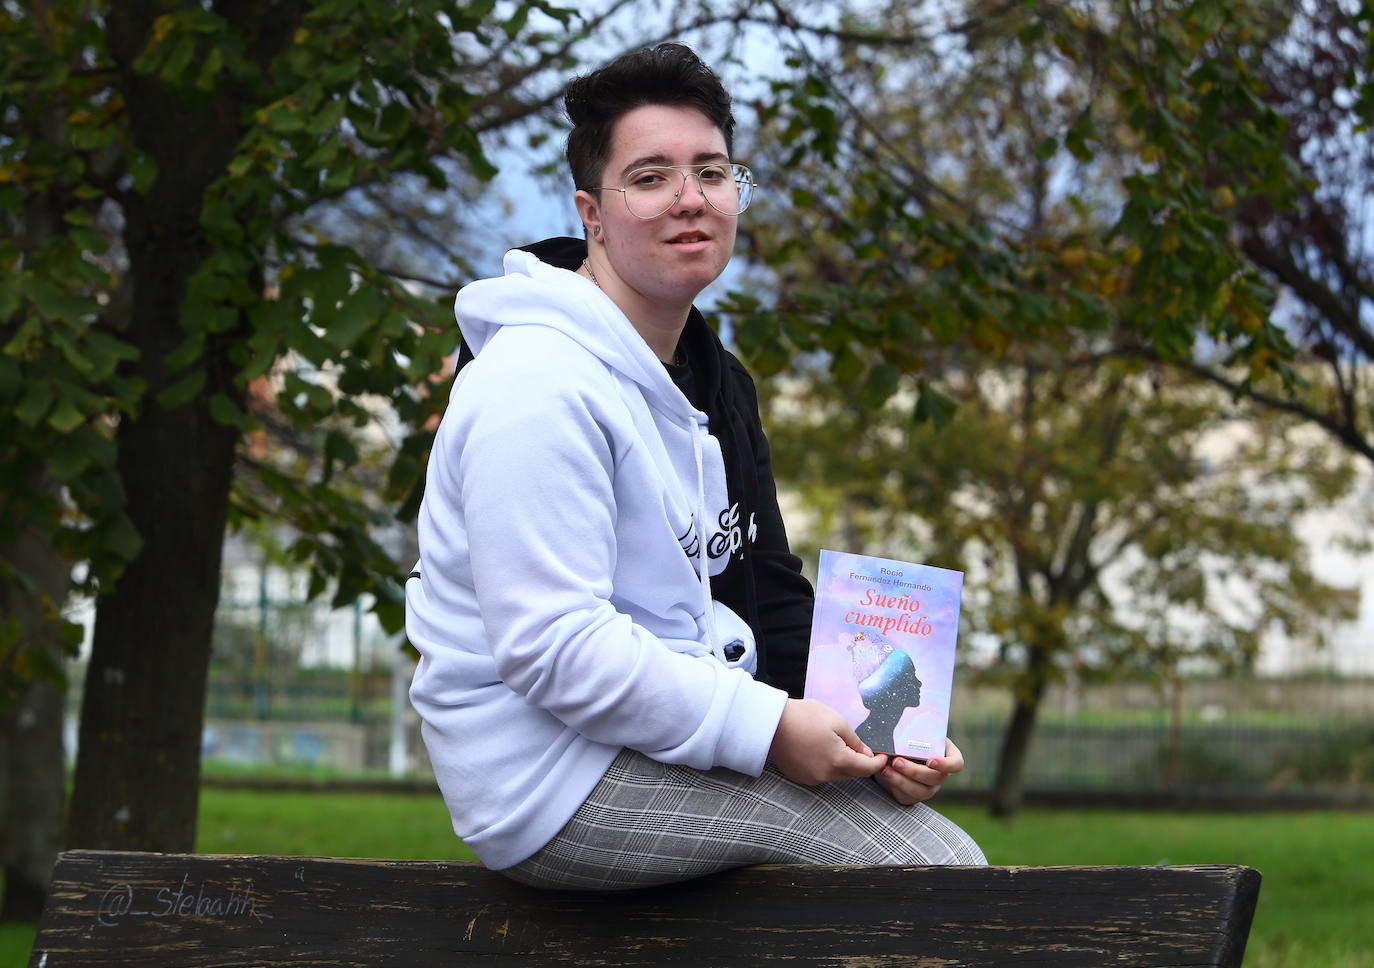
(535, 293)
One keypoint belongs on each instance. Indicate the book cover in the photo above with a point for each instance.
(882, 649)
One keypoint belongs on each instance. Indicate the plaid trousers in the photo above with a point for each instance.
(651, 823)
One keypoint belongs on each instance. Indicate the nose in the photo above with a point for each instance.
(691, 195)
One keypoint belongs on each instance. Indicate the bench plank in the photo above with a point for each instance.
(109, 909)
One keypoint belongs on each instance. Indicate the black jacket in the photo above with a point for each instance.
(762, 582)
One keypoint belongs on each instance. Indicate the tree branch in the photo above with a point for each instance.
(1335, 310)
(1346, 432)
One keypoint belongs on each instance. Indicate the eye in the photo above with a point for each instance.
(715, 175)
(647, 178)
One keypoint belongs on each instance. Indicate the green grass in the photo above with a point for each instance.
(1314, 909)
(330, 824)
(1318, 867)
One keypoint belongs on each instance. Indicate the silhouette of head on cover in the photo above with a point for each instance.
(888, 687)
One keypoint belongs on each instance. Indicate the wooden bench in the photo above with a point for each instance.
(180, 911)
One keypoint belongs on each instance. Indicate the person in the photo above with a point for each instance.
(888, 687)
(612, 629)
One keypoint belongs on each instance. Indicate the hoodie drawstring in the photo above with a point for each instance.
(704, 572)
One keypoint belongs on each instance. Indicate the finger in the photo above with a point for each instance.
(953, 759)
(949, 764)
(853, 763)
(903, 789)
(888, 783)
(851, 739)
(917, 772)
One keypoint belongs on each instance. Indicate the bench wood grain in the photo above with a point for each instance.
(112, 909)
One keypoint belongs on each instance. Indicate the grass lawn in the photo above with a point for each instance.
(1318, 892)
(1315, 903)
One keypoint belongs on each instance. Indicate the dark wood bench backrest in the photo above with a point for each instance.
(109, 909)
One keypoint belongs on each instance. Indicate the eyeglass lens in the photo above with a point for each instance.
(649, 192)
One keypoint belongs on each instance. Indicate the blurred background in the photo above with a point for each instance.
(1074, 297)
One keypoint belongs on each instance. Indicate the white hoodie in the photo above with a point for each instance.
(559, 612)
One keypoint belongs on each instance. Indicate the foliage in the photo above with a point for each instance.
(1108, 521)
(990, 202)
(1314, 247)
(1184, 179)
(1125, 517)
(283, 333)
(1009, 172)
(170, 303)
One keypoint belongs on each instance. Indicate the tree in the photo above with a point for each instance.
(1041, 183)
(1106, 519)
(1316, 74)
(221, 238)
(158, 166)
(1015, 171)
(31, 789)
(1223, 150)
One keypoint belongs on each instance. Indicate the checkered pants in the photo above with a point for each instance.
(651, 823)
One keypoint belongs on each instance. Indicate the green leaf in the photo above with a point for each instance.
(209, 70)
(183, 50)
(70, 456)
(933, 406)
(391, 616)
(517, 21)
(184, 390)
(846, 367)
(360, 312)
(225, 411)
(57, 304)
(881, 384)
(123, 539)
(11, 378)
(35, 403)
(9, 295)
(66, 417)
(316, 397)
(327, 118)
(143, 170)
(283, 117)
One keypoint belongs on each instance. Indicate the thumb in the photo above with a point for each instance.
(851, 739)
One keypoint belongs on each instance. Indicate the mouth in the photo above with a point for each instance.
(686, 238)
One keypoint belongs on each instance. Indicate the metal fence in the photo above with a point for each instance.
(295, 683)
(1262, 735)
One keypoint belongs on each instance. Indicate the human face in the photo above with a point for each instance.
(664, 261)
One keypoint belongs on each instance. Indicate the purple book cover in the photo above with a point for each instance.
(882, 649)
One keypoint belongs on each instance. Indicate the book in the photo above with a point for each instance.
(882, 649)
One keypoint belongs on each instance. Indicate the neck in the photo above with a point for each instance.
(659, 325)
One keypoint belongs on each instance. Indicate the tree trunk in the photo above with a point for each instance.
(32, 781)
(32, 765)
(1009, 787)
(138, 766)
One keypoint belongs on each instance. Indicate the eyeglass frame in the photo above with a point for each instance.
(687, 171)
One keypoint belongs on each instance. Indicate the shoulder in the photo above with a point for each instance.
(535, 361)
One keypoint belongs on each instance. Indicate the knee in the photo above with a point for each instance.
(944, 842)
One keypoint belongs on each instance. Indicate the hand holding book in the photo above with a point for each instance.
(911, 782)
(882, 653)
(813, 744)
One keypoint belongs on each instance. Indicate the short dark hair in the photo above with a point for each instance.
(669, 74)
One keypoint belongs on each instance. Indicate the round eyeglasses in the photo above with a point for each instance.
(649, 192)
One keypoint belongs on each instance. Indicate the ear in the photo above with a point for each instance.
(589, 211)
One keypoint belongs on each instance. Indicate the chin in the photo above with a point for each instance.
(687, 281)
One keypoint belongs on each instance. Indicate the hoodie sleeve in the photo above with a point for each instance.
(535, 471)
